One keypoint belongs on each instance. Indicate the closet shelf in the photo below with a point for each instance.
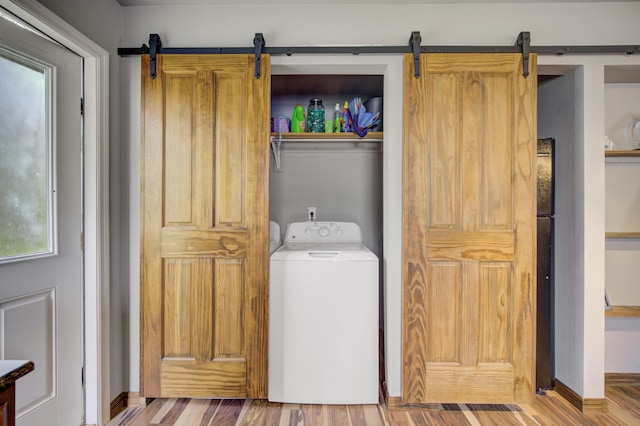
(635, 153)
(622, 234)
(623, 311)
(329, 137)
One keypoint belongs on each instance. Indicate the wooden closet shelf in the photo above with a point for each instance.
(635, 153)
(623, 311)
(622, 234)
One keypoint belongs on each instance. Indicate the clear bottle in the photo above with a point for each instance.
(315, 116)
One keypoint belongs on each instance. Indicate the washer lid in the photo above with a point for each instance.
(324, 251)
(327, 246)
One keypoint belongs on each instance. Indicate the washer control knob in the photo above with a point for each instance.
(323, 231)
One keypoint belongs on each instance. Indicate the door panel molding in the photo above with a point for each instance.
(30, 312)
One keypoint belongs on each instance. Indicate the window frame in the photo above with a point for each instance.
(49, 73)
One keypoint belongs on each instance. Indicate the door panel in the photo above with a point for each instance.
(468, 236)
(41, 297)
(205, 227)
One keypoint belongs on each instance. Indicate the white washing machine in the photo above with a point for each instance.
(274, 237)
(323, 316)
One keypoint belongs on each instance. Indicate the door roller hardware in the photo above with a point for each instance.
(414, 42)
(258, 45)
(524, 39)
(155, 45)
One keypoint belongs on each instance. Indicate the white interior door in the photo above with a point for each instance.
(41, 226)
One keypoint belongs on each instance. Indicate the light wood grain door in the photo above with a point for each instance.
(468, 229)
(204, 264)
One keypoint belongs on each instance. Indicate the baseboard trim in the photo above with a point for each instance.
(585, 405)
(118, 404)
(396, 403)
(622, 379)
(135, 400)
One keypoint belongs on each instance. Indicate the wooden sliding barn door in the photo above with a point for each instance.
(468, 229)
(204, 248)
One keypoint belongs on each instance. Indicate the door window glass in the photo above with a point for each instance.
(26, 187)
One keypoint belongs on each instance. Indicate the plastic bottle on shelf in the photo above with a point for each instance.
(297, 120)
(346, 126)
(337, 120)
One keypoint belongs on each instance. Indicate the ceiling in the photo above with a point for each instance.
(298, 2)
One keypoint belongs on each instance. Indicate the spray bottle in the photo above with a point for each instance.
(337, 119)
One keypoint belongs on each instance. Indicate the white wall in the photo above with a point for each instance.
(131, 83)
(439, 24)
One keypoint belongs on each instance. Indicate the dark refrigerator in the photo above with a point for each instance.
(545, 291)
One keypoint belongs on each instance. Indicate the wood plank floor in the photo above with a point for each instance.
(549, 409)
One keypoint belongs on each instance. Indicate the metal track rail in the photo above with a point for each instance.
(522, 45)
